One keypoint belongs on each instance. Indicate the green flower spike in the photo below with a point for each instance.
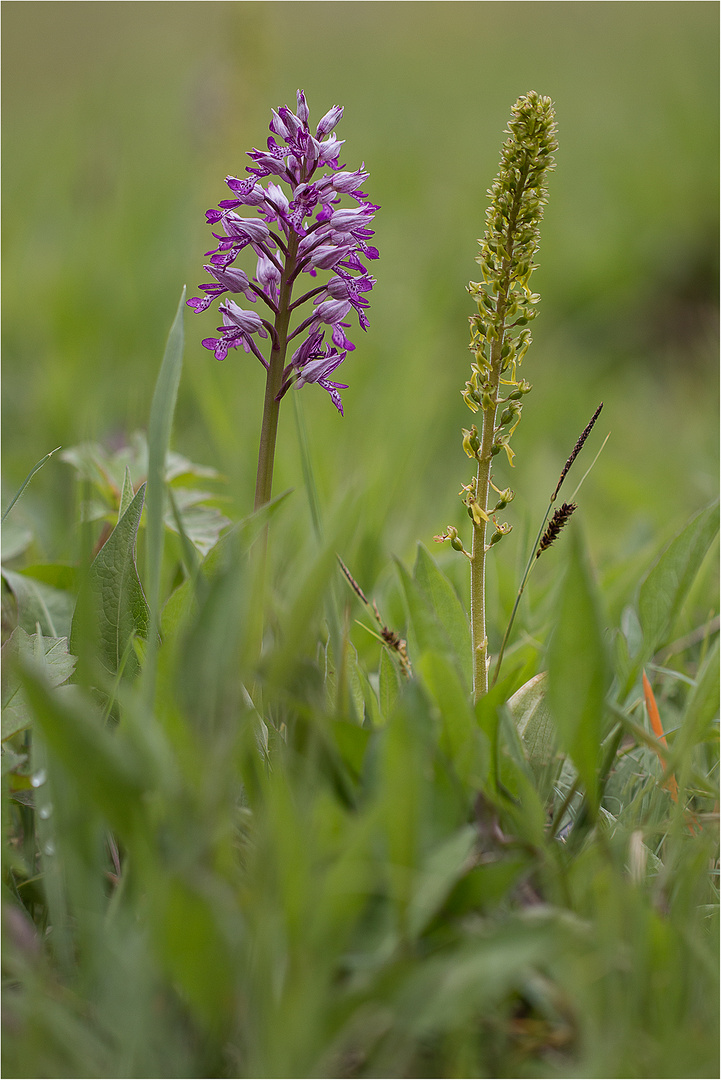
(500, 335)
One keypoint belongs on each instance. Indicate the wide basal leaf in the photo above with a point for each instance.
(39, 602)
(577, 670)
(702, 707)
(463, 742)
(108, 772)
(427, 631)
(57, 663)
(113, 598)
(448, 609)
(669, 581)
(534, 721)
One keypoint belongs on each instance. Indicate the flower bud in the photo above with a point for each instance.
(509, 414)
(471, 442)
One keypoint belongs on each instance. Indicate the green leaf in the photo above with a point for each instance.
(534, 722)
(161, 422)
(60, 575)
(462, 739)
(389, 684)
(352, 742)
(118, 607)
(231, 547)
(702, 705)
(58, 665)
(577, 671)
(189, 922)
(427, 632)
(451, 989)
(16, 538)
(108, 774)
(437, 876)
(126, 495)
(201, 525)
(363, 693)
(40, 603)
(669, 581)
(442, 598)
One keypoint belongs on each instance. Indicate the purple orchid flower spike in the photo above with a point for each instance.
(299, 225)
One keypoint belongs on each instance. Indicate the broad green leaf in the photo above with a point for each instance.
(404, 751)
(117, 604)
(107, 774)
(189, 922)
(450, 990)
(126, 495)
(356, 683)
(669, 581)
(445, 603)
(40, 603)
(577, 671)
(57, 663)
(94, 464)
(61, 576)
(437, 876)
(425, 628)
(389, 684)
(159, 428)
(232, 546)
(179, 470)
(201, 524)
(105, 469)
(534, 722)
(16, 538)
(352, 742)
(487, 711)
(462, 740)
(702, 706)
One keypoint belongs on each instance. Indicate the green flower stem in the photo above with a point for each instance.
(500, 338)
(276, 365)
(485, 455)
(269, 434)
(479, 636)
(529, 566)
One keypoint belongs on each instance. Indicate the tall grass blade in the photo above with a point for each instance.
(307, 466)
(161, 421)
(577, 672)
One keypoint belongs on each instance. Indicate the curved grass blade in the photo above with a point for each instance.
(27, 480)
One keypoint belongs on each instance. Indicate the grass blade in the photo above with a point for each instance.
(161, 422)
(27, 480)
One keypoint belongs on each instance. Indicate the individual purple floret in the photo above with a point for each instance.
(295, 191)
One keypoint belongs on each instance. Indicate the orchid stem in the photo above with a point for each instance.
(274, 380)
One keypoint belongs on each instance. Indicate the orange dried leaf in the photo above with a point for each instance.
(653, 715)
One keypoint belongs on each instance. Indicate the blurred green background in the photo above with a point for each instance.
(121, 121)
